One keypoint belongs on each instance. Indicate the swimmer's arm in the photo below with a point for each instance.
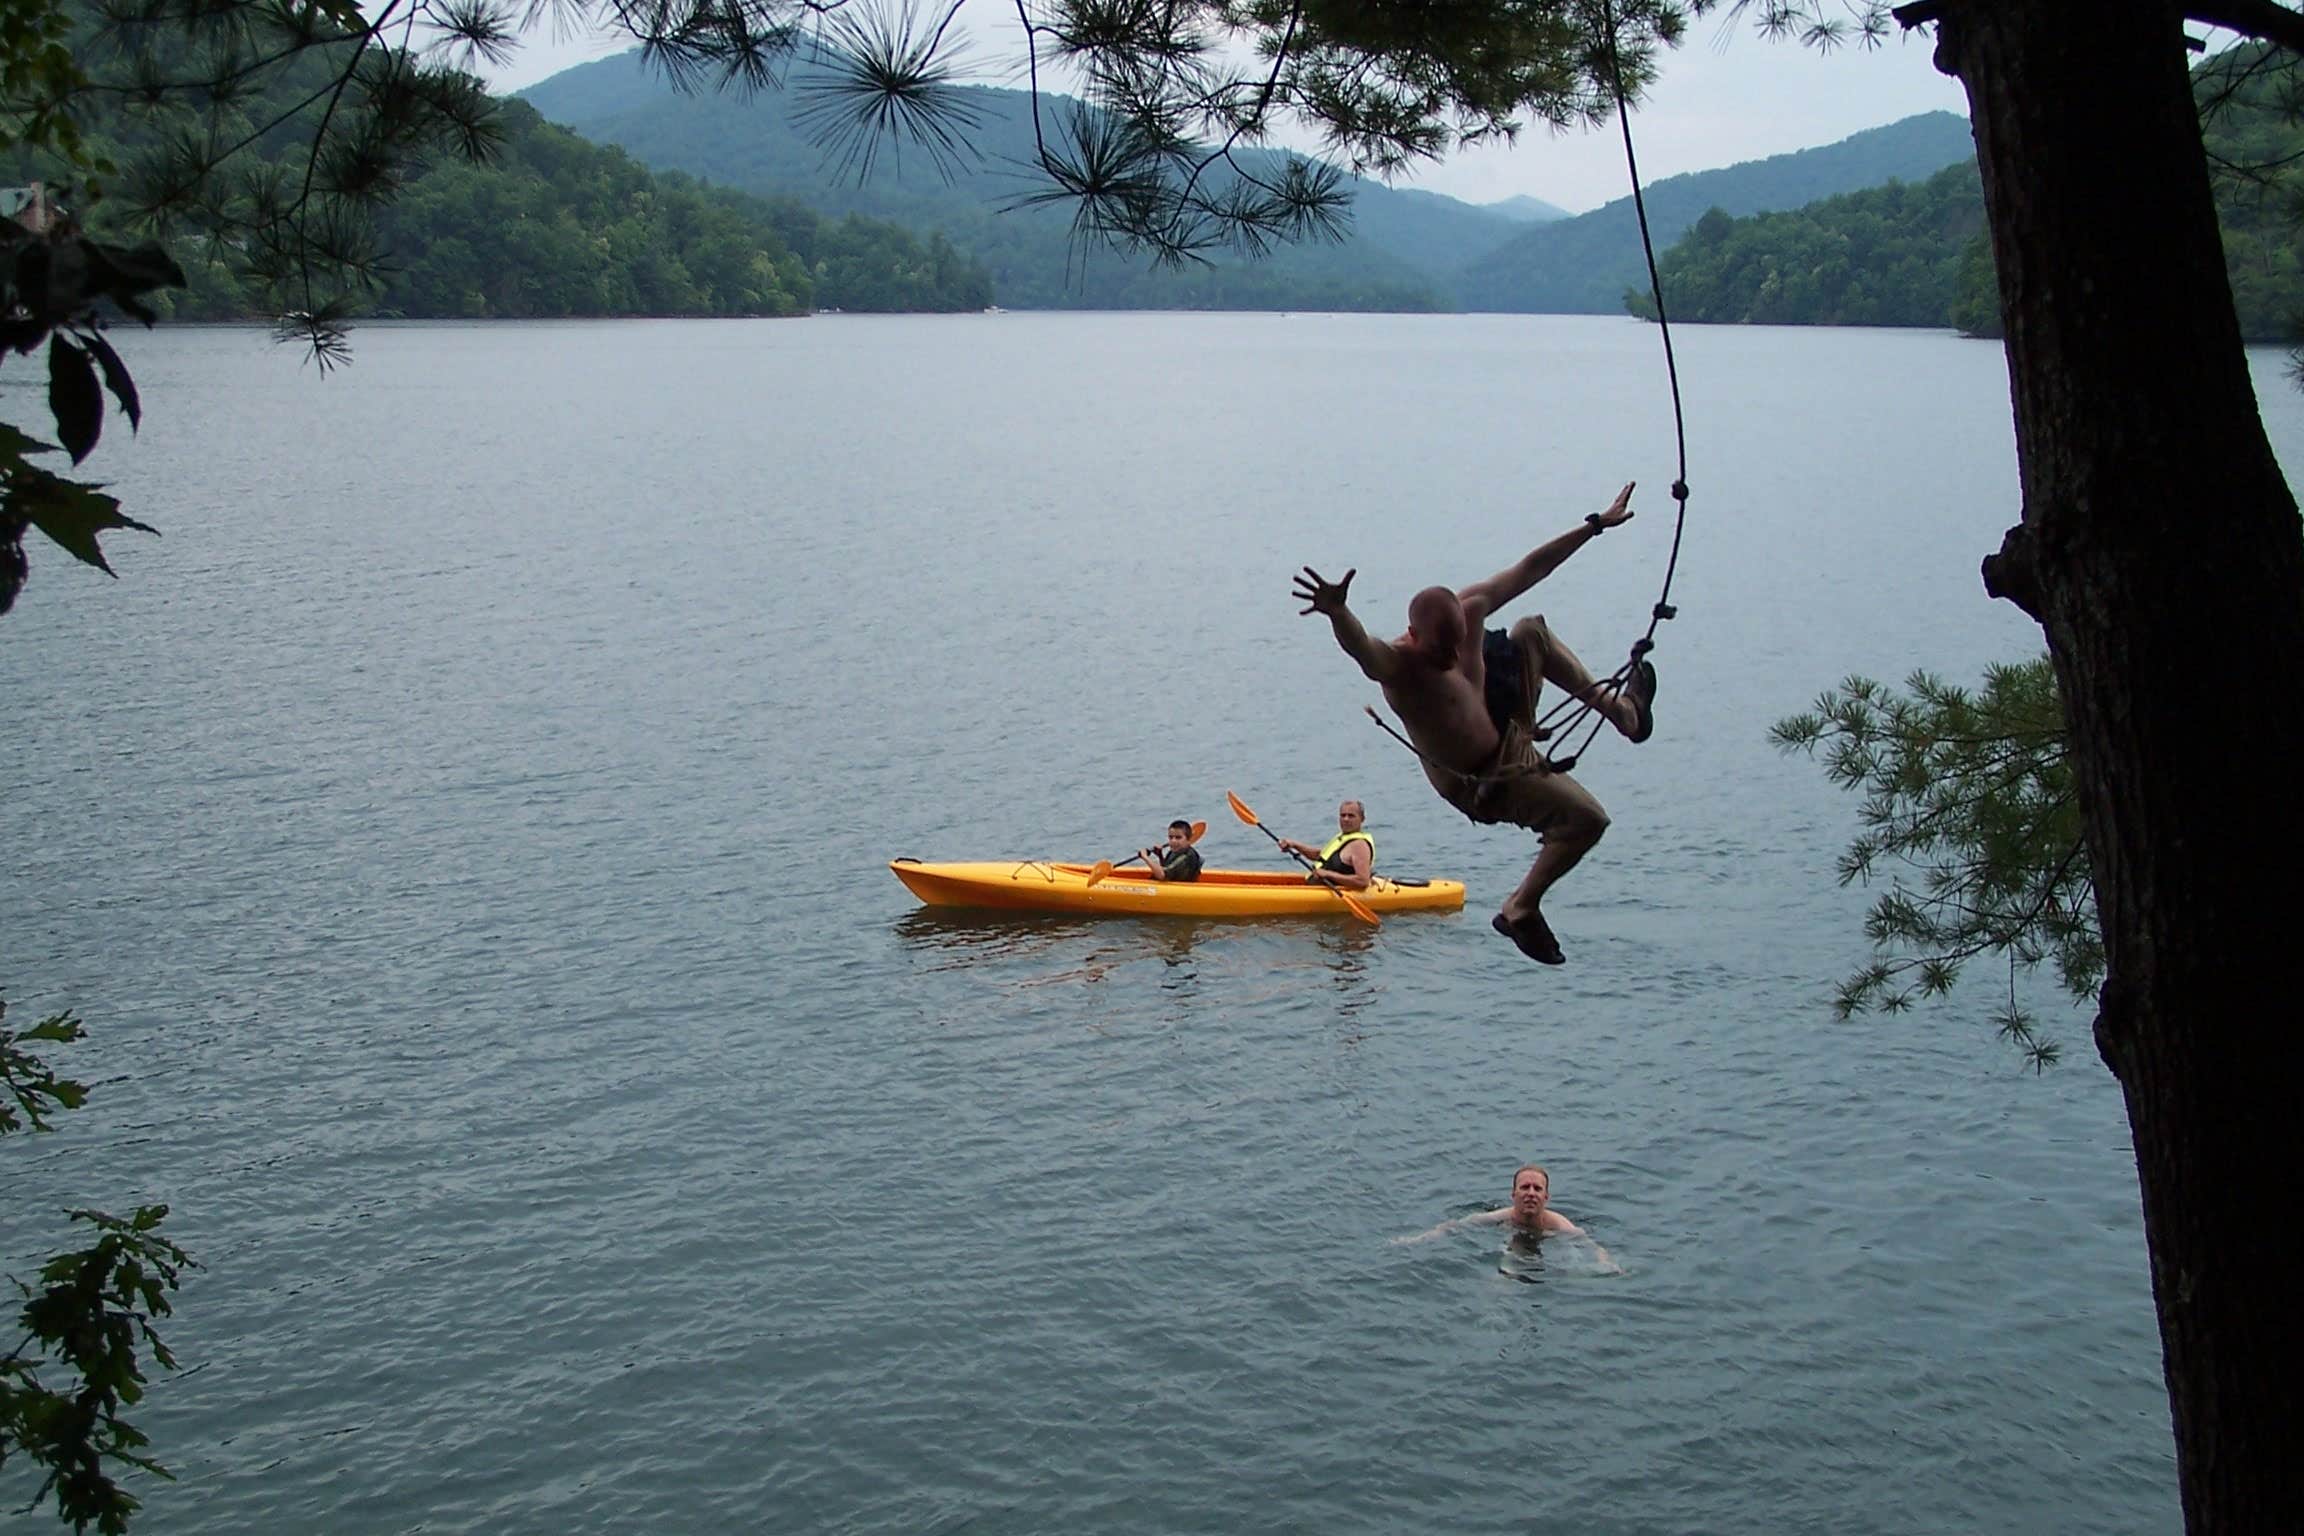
(1485, 1218)
(1555, 1222)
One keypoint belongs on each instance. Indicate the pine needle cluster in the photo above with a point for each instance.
(1970, 814)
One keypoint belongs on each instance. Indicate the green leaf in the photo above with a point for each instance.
(76, 402)
(116, 379)
(15, 444)
(122, 273)
(72, 514)
(59, 1027)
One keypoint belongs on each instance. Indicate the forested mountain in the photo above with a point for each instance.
(1916, 254)
(1583, 265)
(1885, 256)
(557, 227)
(1399, 242)
(1406, 249)
(2250, 98)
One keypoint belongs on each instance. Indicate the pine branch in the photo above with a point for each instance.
(2254, 18)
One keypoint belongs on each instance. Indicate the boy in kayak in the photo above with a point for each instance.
(1467, 696)
(1179, 860)
(1530, 1212)
(1349, 858)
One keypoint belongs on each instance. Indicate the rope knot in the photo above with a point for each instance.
(1664, 611)
(1642, 647)
(1679, 490)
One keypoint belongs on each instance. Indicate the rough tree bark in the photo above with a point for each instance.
(2161, 552)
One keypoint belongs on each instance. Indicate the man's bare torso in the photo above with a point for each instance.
(1444, 709)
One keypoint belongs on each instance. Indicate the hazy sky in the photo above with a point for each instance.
(1726, 95)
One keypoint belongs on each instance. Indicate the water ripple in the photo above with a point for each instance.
(472, 865)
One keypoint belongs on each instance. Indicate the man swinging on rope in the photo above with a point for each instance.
(1468, 700)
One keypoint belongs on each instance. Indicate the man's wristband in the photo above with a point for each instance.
(1592, 521)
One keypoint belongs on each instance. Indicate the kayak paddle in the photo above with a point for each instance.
(1103, 867)
(1360, 909)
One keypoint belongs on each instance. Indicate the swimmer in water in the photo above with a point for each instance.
(1530, 1212)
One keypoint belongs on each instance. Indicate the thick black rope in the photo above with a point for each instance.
(1564, 718)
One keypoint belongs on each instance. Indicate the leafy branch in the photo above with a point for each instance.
(87, 1329)
(54, 289)
(32, 1089)
(1969, 799)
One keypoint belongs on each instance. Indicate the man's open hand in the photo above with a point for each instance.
(1320, 595)
(1620, 510)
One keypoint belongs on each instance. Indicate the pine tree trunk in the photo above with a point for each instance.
(2161, 551)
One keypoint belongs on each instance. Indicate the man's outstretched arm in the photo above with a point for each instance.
(1320, 595)
(1544, 559)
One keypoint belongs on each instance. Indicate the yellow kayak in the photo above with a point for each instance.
(1038, 886)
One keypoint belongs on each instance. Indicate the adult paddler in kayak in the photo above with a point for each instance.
(1467, 695)
(1348, 859)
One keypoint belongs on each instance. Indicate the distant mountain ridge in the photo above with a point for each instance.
(1406, 249)
(1528, 210)
(550, 226)
(1398, 240)
(1584, 265)
(1892, 255)
(1918, 253)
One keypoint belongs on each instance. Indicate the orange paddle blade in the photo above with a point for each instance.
(1352, 903)
(1101, 868)
(1240, 809)
(1199, 829)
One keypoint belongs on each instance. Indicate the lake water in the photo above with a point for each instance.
(464, 833)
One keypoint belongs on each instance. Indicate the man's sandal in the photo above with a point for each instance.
(1534, 937)
(1640, 688)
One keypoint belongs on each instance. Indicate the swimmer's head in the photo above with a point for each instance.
(1436, 624)
(1531, 1190)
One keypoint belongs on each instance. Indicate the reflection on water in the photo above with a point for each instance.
(1527, 1256)
(1348, 943)
(531, 780)
(1522, 1256)
(1043, 950)
(964, 936)
(1254, 962)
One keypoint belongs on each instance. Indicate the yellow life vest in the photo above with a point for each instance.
(1336, 844)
